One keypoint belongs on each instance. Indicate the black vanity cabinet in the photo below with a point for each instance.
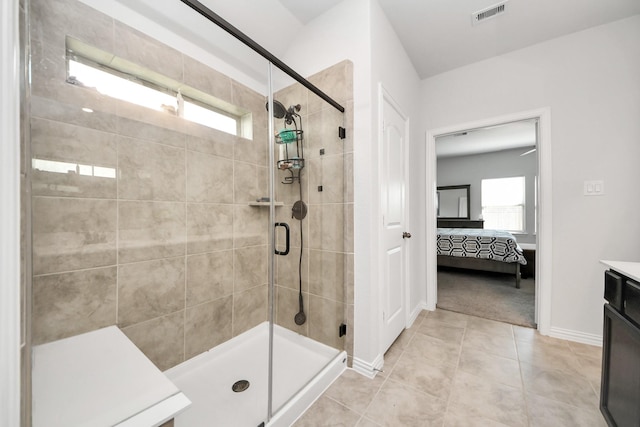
(620, 387)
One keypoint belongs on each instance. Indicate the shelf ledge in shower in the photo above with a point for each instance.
(261, 204)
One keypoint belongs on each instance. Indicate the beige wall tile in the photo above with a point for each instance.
(209, 277)
(101, 119)
(150, 230)
(250, 225)
(349, 278)
(57, 140)
(140, 130)
(73, 303)
(150, 289)
(73, 234)
(249, 267)
(209, 227)
(348, 178)
(147, 52)
(150, 171)
(294, 94)
(326, 227)
(324, 317)
(287, 274)
(54, 19)
(250, 182)
(209, 178)
(210, 141)
(251, 150)
(49, 78)
(321, 132)
(336, 82)
(287, 306)
(204, 78)
(248, 99)
(84, 160)
(284, 214)
(328, 172)
(348, 227)
(249, 309)
(160, 339)
(326, 274)
(290, 193)
(161, 119)
(207, 325)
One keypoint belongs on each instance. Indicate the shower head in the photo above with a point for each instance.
(279, 110)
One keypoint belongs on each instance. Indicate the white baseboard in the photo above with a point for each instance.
(426, 306)
(367, 369)
(414, 315)
(576, 336)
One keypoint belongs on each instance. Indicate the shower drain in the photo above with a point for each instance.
(240, 386)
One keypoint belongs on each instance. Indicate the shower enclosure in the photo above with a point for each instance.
(195, 194)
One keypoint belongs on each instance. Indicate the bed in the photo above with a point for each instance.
(480, 249)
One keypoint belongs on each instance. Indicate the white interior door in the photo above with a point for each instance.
(393, 222)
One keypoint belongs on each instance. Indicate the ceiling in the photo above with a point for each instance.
(508, 136)
(438, 35)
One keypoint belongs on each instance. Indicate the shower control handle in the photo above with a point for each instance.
(406, 235)
(287, 238)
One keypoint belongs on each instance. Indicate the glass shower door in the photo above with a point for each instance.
(311, 199)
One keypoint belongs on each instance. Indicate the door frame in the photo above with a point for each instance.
(385, 96)
(10, 305)
(544, 218)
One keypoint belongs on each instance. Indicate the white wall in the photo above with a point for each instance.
(591, 82)
(358, 30)
(473, 169)
(392, 67)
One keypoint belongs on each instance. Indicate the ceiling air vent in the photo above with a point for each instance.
(488, 13)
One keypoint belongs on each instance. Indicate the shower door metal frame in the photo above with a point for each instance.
(273, 61)
(248, 41)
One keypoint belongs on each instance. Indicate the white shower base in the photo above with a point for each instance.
(207, 379)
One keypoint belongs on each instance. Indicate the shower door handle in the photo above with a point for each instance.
(287, 239)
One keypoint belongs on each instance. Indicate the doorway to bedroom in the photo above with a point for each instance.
(486, 217)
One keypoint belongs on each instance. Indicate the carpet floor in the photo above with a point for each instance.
(487, 295)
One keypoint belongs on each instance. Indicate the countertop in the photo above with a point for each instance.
(100, 378)
(629, 269)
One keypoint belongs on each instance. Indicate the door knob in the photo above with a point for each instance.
(406, 235)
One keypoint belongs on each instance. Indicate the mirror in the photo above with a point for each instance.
(453, 202)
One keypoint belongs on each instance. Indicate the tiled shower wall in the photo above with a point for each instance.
(170, 251)
(327, 188)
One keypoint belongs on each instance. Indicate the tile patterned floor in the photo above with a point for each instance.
(454, 370)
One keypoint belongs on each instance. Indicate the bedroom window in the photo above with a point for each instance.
(503, 203)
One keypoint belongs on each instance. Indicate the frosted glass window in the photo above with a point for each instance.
(133, 91)
(503, 203)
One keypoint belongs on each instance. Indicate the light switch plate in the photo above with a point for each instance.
(593, 188)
